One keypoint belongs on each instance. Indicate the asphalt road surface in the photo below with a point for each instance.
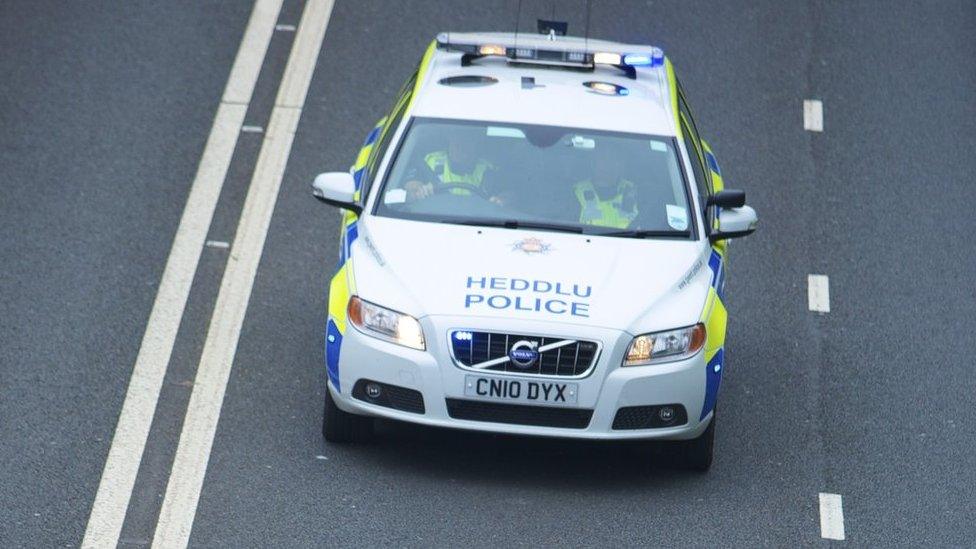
(105, 112)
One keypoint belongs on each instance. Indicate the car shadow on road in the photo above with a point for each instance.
(521, 460)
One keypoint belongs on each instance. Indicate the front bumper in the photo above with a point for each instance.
(607, 388)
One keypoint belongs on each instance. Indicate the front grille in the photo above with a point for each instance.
(649, 417)
(519, 414)
(557, 357)
(391, 396)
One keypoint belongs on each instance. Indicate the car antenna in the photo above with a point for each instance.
(518, 17)
(586, 28)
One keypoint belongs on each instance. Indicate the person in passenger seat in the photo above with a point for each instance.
(605, 199)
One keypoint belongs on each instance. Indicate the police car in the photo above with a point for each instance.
(534, 241)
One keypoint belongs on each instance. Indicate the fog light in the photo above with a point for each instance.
(373, 390)
(666, 414)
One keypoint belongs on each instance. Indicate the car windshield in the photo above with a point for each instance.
(544, 177)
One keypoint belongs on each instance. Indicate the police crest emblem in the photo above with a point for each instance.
(531, 245)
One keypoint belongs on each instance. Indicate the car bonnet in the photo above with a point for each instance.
(630, 284)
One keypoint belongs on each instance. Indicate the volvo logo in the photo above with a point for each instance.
(524, 354)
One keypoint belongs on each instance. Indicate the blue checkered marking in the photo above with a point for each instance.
(717, 266)
(357, 178)
(712, 163)
(348, 237)
(373, 135)
(713, 377)
(333, 342)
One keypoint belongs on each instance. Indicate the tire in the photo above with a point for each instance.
(697, 452)
(339, 426)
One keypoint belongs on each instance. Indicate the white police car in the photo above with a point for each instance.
(533, 242)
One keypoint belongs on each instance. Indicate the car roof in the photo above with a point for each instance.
(558, 97)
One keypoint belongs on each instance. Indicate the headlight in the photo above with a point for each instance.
(385, 324)
(665, 346)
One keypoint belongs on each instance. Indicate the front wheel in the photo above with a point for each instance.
(696, 453)
(339, 426)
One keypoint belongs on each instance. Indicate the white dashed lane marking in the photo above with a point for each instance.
(217, 244)
(129, 441)
(818, 293)
(813, 115)
(831, 516)
(203, 411)
(252, 129)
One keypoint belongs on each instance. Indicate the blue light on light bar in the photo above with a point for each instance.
(657, 58)
(653, 59)
(637, 59)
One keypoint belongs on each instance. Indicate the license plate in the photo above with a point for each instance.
(522, 391)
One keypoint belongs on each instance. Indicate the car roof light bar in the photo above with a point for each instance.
(562, 51)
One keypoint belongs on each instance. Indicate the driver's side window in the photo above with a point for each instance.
(386, 135)
(696, 165)
(693, 144)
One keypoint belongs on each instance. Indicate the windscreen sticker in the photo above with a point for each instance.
(395, 196)
(677, 217)
(580, 142)
(659, 147)
(501, 131)
(500, 293)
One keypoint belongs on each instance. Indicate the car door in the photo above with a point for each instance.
(692, 142)
(368, 160)
(708, 177)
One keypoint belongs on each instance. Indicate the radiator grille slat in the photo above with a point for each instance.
(471, 348)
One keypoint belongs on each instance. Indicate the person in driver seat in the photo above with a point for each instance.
(453, 169)
(606, 199)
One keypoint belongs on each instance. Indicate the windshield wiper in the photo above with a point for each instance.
(514, 224)
(645, 234)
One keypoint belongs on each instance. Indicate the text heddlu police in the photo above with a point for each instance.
(520, 294)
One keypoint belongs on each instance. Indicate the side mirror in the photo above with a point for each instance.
(729, 198)
(336, 189)
(734, 223)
